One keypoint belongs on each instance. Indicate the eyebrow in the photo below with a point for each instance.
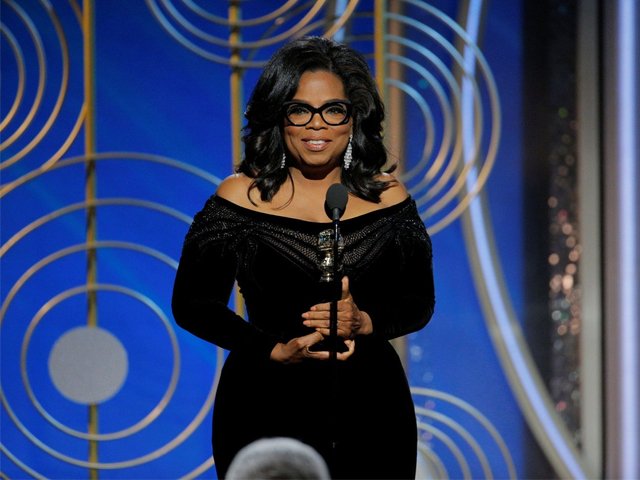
(333, 100)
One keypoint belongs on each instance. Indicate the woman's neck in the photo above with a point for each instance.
(315, 179)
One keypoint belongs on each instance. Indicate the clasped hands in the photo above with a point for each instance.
(351, 322)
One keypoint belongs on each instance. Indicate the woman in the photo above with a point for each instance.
(314, 119)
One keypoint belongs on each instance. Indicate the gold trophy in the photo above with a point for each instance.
(325, 247)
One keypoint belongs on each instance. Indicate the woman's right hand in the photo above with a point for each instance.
(297, 349)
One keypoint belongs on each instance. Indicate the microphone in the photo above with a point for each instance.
(336, 201)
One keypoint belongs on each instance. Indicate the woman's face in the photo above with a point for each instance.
(317, 146)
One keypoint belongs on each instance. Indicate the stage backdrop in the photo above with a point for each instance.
(119, 119)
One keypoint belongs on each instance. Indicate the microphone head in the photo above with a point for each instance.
(336, 201)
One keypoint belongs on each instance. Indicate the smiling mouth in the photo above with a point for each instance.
(316, 145)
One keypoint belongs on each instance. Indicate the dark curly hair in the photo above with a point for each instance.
(263, 137)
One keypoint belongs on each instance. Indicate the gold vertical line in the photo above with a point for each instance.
(395, 134)
(380, 30)
(88, 23)
(90, 149)
(235, 83)
(378, 40)
(235, 87)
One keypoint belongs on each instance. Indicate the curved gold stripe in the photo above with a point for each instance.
(61, 254)
(477, 415)
(20, 464)
(163, 450)
(164, 161)
(465, 434)
(311, 27)
(453, 169)
(128, 156)
(77, 11)
(62, 93)
(237, 22)
(448, 112)
(316, 7)
(439, 467)
(66, 145)
(450, 444)
(300, 27)
(133, 202)
(111, 156)
(19, 57)
(346, 15)
(29, 272)
(459, 169)
(200, 470)
(92, 434)
(42, 66)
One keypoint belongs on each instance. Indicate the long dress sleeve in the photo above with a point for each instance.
(407, 302)
(203, 284)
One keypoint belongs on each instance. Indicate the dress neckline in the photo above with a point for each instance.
(357, 220)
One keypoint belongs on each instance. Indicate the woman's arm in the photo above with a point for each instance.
(404, 281)
(411, 300)
(202, 288)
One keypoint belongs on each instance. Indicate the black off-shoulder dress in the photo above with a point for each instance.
(358, 415)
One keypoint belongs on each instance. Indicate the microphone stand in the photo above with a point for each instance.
(336, 294)
(335, 205)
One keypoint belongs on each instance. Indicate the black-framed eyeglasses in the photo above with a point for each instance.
(332, 113)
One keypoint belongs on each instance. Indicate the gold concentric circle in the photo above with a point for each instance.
(23, 133)
(51, 220)
(157, 409)
(183, 21)
(450, 85)
(448, 430)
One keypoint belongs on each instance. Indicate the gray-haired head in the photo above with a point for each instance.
(278, 458)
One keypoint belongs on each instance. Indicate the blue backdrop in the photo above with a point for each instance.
(163, 140)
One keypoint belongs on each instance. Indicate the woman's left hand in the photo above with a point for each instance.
(351, 320)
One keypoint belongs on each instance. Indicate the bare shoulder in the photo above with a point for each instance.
(234, 188)
(395, 193)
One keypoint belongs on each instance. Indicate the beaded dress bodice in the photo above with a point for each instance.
(275, 262)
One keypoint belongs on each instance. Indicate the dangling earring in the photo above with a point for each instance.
(283, 163)
(348, 155)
